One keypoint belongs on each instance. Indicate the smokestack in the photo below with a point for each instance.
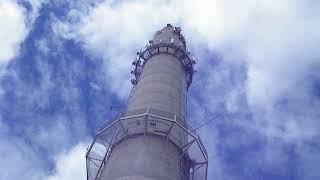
(150, 139)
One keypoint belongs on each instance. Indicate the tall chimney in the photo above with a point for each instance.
(150, 139)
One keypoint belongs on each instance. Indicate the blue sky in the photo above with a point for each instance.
(63, 64)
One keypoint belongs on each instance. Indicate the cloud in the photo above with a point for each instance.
(70, 165)
(16, 21)
(257, 61)
(258, 64)
(266, 35)
(18, 157)
(13, 31)
(119, 37)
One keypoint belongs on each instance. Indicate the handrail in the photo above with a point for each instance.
(169, 134)
(177, 52)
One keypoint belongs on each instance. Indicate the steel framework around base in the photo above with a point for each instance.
(148, 122)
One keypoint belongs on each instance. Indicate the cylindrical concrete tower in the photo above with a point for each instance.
(162, 84)
(150, 139)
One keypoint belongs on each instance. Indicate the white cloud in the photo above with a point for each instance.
(32, 139)
(70, 165)
(13, 29)
(276, 41)
(18, 158)
(119, 36)
(15, 22)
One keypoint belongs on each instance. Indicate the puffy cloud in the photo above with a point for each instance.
(18, 157)
(15, 21)
(119, 36)
(70, 165)
(257, 60)
(13, 29)
(276, 40)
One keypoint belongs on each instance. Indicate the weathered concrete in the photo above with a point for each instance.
(161, 86)
(143, 157)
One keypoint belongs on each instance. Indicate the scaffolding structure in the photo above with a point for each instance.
(148, 122)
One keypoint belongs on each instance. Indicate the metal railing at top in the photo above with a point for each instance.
(164, 48)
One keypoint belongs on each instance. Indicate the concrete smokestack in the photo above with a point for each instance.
(162, 83)
(150, 139)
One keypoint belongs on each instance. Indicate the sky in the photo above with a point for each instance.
(64, 63)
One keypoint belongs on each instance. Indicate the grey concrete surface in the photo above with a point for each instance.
(143, 157)
(161, 86)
